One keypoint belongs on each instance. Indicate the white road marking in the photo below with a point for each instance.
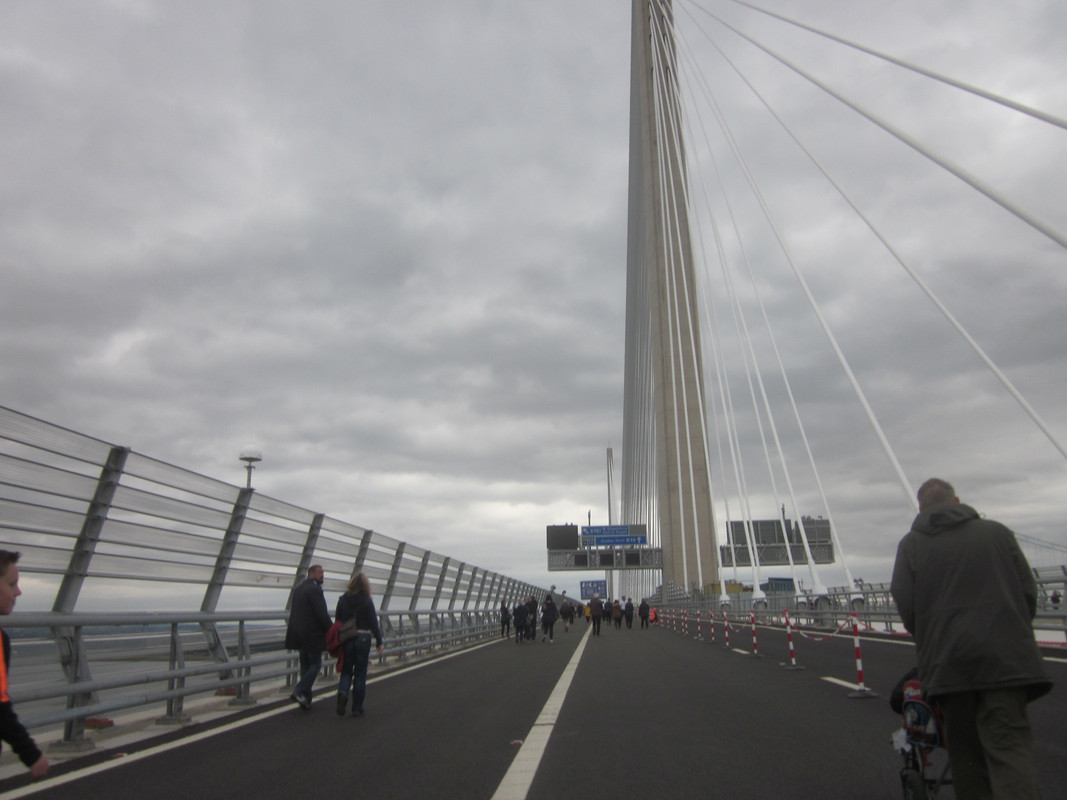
(119, 760)
(520, 775)
(854, 686)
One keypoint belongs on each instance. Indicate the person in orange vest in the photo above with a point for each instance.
(11, 730)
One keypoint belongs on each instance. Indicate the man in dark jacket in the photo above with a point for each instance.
(966, 593)
(596, 608)
(306, 633)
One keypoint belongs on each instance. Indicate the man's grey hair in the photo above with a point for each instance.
(934, 492)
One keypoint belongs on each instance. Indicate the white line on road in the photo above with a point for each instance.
(119, 760)
(839, 682)
(520, 775)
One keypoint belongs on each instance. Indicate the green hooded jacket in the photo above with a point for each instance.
(965, 592)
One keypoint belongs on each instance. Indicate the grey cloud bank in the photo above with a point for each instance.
(386, 244)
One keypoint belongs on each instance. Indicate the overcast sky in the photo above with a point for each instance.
(386, 244)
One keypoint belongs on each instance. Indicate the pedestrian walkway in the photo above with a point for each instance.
(635, 714)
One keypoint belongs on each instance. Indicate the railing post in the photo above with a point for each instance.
(361, 556)
(417, 591)
(390, 585)
(68, 639)
(215, 644)
(455, 596)
(311, 541)
(467, 624)
(175, 705)
(244, 689)
(440, 583)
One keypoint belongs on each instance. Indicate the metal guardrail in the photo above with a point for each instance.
(872, 604)
(101, 529)
(253, 640)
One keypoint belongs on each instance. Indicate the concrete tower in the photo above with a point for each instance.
(666, 483)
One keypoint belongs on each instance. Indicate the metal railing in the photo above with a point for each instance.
(872, 605)
(186, 666)
(102, 529)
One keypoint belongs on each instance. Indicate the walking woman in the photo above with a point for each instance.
(505, 620)
(549, 615)
(356, 603)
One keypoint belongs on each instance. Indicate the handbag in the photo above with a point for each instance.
(347, 631)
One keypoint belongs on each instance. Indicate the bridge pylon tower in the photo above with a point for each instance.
(666, 480)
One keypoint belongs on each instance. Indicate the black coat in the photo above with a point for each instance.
(549, 613)
(966, 593)
(360, 606)
(308, 618)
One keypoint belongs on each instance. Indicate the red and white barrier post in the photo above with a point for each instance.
(862, 692)
(792, 650)
(755, 644)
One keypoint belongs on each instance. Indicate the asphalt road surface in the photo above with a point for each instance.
(648, 714)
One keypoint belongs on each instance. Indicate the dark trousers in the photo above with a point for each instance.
(354, 672)
(990, 744)
(310, 664)
(596, 625)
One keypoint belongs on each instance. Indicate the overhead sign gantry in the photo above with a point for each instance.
(601, 547)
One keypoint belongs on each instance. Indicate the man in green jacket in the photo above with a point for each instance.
(966, 594)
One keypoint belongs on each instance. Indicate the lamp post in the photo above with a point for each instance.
(250, 455)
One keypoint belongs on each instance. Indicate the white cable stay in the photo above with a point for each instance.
(923, 286)
(857, 389)
(1022, 108)
(817, 583)
(972, 181)
(746, 337)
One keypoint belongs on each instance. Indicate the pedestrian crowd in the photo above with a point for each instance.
(524, 616)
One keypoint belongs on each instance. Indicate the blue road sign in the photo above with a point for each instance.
(589, 588)
(613, 535)
(612, 541)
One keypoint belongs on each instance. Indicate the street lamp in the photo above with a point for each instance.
(250, 455)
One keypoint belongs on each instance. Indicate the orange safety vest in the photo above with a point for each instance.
(3, 676)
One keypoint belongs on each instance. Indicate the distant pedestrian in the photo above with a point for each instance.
(549, 615)
(628, 612)
(531, 618)
(566, 613)
(596, 612)
(356, 603)
(306, 632)
(1056, 599)
(505, 620)
(11, 730)
(616, 614)
(966, 593)
(643, 612)
(519, 615)
(588, 612)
